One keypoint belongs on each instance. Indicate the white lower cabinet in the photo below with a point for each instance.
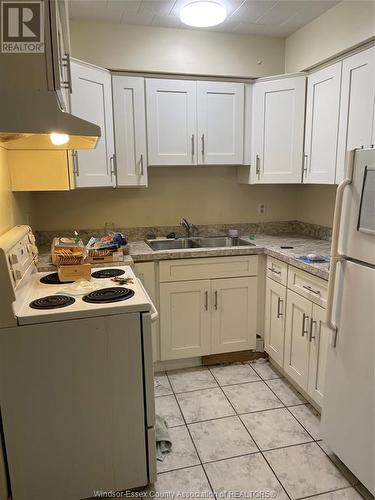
(234, 314)
(207, 316)
(296, 358)
(274, 320)
(185, 319)
(319, 343)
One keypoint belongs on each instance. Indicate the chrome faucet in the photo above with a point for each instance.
(189, 227)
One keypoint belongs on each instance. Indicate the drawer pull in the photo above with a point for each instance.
(273, 270)
(279, 303)
(216, 300)
(312, 323)
(304, 328)
(308, 288)
(206, 300)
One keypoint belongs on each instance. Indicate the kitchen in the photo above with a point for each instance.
(229, 159)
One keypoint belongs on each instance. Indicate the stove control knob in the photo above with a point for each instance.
(31, 238)
(13, 258)
(17, 275)
(33, 249)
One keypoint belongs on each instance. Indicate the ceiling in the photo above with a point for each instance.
(256, 17)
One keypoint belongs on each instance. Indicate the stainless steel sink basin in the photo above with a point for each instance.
(172, 244)
(222, 241)
(199, 242)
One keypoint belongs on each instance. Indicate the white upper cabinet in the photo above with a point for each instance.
(220, 108)
(130, 130)
(91, 100)
(356, 126)
(322, 122)
(278, 129)
(171, 121)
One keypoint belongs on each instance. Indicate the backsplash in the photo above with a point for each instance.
(44, 238)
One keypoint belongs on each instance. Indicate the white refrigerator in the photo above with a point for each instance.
(348, 413)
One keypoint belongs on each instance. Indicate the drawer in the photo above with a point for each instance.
(215, 267)
(277, 270)
(307, 285)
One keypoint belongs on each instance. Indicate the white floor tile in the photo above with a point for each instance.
(305, 470)
(249, 475)
(335, 459)
(183, 453)
(345, 494)
(309, 418)
(234, 374)
(204, 405)
(180, 483)
(162, 385)
(191, 379)
(255, 396)
(275, 428)
(167, 407)
(265, 370)
(286, 392)
(221, 438)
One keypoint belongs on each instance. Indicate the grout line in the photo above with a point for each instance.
(192, 440)
(317, 495)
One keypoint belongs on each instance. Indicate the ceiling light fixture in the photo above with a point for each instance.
(59, 139)
(203, 13)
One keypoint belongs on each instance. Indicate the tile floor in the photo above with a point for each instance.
(241, 430)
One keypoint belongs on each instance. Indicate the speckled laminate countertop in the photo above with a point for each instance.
(271, 245)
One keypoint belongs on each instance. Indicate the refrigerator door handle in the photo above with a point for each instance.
(336, 257)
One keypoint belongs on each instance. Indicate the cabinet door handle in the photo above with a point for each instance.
(68, 83)
(280, 302)
(75, 163)
(308, 288)
(206, 300)
(272, 269)
(257, 165)
(216, 302)
(203, 146)
(192, 146)
(142, 166)
(304, 165)
(304, 328)
(312, 323)
(112, 165)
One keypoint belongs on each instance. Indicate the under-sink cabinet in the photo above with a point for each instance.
(296, 336)
(208, 306)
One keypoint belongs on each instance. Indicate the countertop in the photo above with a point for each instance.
(139, 251)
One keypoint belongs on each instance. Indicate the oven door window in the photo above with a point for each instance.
(366, 217)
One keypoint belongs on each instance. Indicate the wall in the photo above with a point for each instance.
(14, 207)
(204, 195)
(152, 49)
(315, 204)
(339, 29)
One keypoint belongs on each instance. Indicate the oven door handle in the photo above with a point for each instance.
(154, 312)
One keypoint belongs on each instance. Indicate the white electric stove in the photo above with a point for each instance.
(76, 378)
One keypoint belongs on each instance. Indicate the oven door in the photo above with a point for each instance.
(357, 234)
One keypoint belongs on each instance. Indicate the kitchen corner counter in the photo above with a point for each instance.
(263, 244)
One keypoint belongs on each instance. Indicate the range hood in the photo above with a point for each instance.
(28, 118)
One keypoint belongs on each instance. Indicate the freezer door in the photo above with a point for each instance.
(348, 416)
(357, 234)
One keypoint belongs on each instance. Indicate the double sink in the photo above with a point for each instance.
(198, 242)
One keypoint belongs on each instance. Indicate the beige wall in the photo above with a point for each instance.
(339, 29)
(315, 204)
(147, 48)
(204, 195)
(14, 207)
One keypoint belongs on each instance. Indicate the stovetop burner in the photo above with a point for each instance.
(52, 279)
(52, 302)
(108, 273)
(107, 295)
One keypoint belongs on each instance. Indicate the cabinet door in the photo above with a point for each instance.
(357, 105)
(296, 354)
(322, 122)
(130, 130)
(278, 125)
(319, 337)
(220, 123)
(171, 122)
(92, 100)
(234, 314)
(185, 319)
(274, 320)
